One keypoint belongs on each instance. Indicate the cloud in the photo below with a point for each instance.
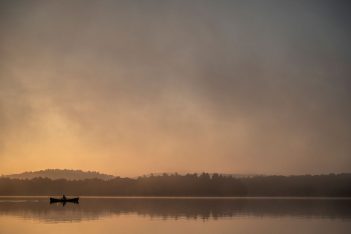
(191, 86)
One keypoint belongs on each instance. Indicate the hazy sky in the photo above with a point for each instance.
(134, 87)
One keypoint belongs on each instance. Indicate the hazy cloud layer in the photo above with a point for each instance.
(133, 87)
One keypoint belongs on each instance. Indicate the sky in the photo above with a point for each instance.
(137, 87)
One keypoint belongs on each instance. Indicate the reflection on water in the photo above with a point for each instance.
(172, 216)
(175, 208)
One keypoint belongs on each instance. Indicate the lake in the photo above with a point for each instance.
(175, 215)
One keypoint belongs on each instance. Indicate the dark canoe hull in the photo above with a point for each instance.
(74, 200)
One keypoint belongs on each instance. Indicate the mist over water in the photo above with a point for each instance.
(130, 88)
(133, 87)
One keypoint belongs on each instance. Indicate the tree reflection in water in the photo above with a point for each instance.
(175, 208)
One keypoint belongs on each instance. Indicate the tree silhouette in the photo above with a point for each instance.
(185, 185)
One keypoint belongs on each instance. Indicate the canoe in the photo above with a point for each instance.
(74, 200)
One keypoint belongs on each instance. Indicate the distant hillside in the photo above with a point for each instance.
(204, 185)
(61, 174)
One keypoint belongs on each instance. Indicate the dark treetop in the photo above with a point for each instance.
(333, 185)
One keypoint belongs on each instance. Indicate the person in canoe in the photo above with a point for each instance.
(64, 199)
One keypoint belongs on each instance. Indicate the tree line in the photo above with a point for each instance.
(335, 185)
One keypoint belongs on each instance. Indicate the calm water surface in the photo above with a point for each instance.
(175, 215)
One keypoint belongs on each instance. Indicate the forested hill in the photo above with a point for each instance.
(333, 185)
(61, 174)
